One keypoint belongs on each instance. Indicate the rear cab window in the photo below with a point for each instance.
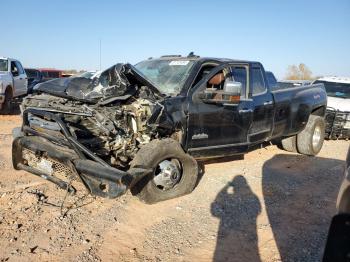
(257, 81)
(271, 80)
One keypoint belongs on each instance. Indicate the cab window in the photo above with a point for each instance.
(258, 84)
(239, 74)
(233, 73)
(14, 69)
(20, 68)
(205, 70)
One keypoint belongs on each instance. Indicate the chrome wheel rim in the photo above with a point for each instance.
(316, 138)
(167, 174)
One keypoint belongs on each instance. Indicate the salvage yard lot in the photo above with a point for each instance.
(271, 206)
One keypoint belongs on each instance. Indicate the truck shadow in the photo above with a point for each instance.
(15, 110)
(202, 163)
(237, 207)
(300, 193)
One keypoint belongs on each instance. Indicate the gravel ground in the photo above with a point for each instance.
(269, 206)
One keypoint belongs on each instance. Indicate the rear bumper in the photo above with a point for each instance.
(337, 124)
(58, 160)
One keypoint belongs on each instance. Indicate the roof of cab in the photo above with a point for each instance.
(200, 59)
(8, 58)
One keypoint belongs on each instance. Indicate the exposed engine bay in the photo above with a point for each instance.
(112, 116)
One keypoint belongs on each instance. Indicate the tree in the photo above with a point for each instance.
(300, 72)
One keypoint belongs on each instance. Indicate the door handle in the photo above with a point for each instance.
(268, 103)
(245, 111)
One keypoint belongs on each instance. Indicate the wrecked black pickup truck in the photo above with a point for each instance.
(144, 127)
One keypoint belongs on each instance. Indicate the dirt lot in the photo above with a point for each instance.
(271, 206)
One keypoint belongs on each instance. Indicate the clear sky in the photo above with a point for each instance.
(66, 34)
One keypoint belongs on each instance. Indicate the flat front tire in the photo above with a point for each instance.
(7, 105)
(310, 140)
(174, 173)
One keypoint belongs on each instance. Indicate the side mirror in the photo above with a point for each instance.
(233, 88)
(15, 73)
(231, 94)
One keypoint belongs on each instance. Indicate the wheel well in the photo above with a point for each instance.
(319, 111)
(9, 88)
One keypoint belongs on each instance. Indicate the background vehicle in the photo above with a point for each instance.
(34, 77)
(293, 83)
(50, 73)
(338, 247)
(64, 74)
(13, 82)
(142, 127)
(338, 107)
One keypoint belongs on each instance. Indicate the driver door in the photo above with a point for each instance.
(19, 78)
(219, 129)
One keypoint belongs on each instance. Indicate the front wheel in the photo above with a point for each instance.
(174, 173)
(310, 140)
(7, 105)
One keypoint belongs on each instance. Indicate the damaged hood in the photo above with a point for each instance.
(120, 80)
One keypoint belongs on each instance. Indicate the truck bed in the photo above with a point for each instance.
(293, 107)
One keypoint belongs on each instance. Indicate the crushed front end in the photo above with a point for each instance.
(88, 131)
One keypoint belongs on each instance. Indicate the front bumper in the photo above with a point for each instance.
(337, 124)
(58, 160)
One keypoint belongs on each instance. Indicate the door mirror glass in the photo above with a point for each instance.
(222, 88)
(232, 87)
(230, 94)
